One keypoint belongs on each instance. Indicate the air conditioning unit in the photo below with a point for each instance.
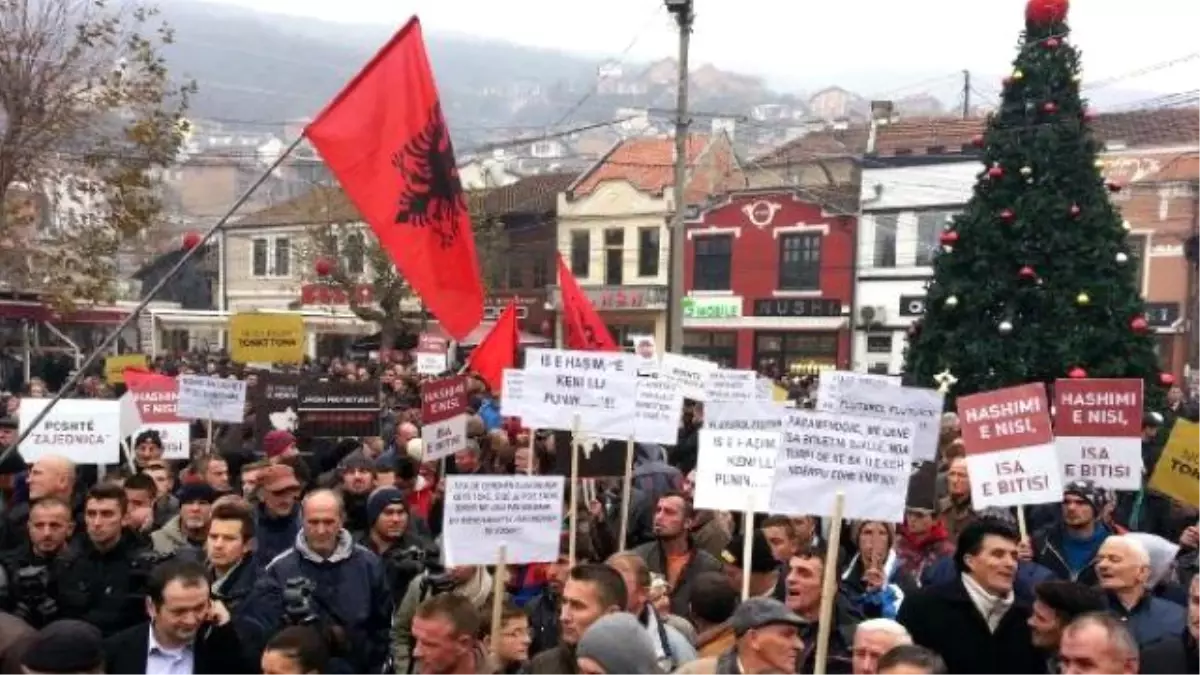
(873, 315)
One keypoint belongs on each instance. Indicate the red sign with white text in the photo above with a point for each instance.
(1005, 419)
(157, 397)
(443, 399)
(1096, 407)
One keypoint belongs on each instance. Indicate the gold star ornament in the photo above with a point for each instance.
(945, 380)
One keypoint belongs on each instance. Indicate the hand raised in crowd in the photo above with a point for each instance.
(1190, 537)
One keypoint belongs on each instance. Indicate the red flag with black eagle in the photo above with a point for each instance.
(385, 139)
(582, 327)
(498, 350)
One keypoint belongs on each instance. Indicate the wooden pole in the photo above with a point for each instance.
(498, 582)
(573, 515)
(626, 487)
(747, 545)
(829, 587)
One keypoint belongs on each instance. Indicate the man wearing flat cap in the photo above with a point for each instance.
(768, 641)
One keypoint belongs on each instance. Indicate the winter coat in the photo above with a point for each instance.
(1047, 552)
(106, 589)
(944, 618)
(681, 595)
(1151, 619)
(273, 534)
(170, 539)
(917, 552)
(1172, 654)
(882, 602)
(236, 585)
(351, 592)
(542, 611)
(841, 640)
(560, 659)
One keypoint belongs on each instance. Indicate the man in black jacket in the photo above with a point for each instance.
(187, 632)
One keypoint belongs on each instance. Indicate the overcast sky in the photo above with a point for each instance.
(875, 45)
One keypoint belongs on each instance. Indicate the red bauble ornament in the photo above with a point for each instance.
(996, 172)
(1050, 107)
(1045, 12)
(1113, 186)
(1077, 373)
(323, 267)
(191, 240)
(1027, 272)
(977, 141)
(1051, 43)
(1074, 210)
(1139, 324)
(1007, 215)
(949, 237)
(1167, 379)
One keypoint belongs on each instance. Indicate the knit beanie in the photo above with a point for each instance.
(380, 499)
(65, 646)
(1087, 491)
(619, 644)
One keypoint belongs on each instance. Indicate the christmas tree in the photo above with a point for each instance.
(1035, 280)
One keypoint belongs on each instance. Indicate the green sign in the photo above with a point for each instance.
(714, 307)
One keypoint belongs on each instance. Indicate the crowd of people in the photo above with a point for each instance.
(279, 554)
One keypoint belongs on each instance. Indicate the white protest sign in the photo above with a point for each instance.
(1098, 431)
(524, 514)
(432, 354)
(211, 398)
(512, 394)
(734, 466)
(869, 460)
(922, 407)
(834, 383)
(1010, 447)
(732, 385)
(605, 405)
(444, 410)
(131, 415)
(85, 431)
(659, 408)
(691, 374)
(757, 415)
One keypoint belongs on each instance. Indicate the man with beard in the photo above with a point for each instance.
(357, 481)
(1069, 547)
(50, 529)
(391, 537)
(186, 533)
(673, 554)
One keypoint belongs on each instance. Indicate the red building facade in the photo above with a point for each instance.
(770, 278)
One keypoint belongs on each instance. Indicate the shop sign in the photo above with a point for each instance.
(798, 307)
(618, 297)
(715, 307)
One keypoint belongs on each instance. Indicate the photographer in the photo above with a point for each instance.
(327, 580)
(391, 537)
(29, 571)
(469, 581)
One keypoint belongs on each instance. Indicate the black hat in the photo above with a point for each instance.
(9, 422)
(149, 435)
(761, 559)
(65, 646)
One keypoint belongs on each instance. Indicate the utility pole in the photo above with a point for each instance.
(682, 9)
(966, 111)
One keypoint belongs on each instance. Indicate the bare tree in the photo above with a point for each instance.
(89, 116)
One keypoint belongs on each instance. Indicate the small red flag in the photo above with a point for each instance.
(138, 379)
(582, 326)
(498, 350)
(385, 139)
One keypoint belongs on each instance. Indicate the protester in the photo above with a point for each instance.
(872, 639)
(1124, 571)
(768, 641)
(591, 591)
(910, 660)
(673, 554)
(614, 644)
(1097, 643)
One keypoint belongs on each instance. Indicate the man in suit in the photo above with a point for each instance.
(187, 632)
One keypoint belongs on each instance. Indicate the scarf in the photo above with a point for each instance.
(477, 589)
(991, 608)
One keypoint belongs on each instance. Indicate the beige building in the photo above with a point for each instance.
(612, 227)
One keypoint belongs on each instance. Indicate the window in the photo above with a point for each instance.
(283, 257)
(614, 256)
(885, 241)
(712, 263)
(929, 236)
(879, 344)
(718, 347)
(795, 353)
(1137, 256)
(648, 251)
(259, 257)
(354, 253)
(800, 261)
(581, 254)
(541, 272)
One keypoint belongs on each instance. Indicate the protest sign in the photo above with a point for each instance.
(432, 354)
(523, 514)
(1098, 431)
(599, 388)
(1010, 447)
(85, 431)
(444, 416)
(276, 397)
(336, 409)
(732, 385)
(835, 383)
(114, 366)
(691, 373)
(822, 454)
(211, 398)
(259, 337)
(756, 415)
(659, 407)
(1177, 473)
(734, 469)
(512, 394)
(876, 398)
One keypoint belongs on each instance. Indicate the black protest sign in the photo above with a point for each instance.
(598, 457)
(275, 400)
(337, 409)
(922, 487)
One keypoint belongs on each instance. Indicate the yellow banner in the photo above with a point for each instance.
(114, 366)
(266, 338)
(1177, 473)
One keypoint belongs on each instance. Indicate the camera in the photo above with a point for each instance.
(437, 579)
(298, 605)
(35, 601)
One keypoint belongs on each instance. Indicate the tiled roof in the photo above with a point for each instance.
(948, 135)
(322, 204)
(532, 194)
(646, 163)
(1180, 168)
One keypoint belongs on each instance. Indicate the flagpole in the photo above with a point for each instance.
(78, 375)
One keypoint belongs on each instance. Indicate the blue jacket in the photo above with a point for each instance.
(351, 592)
(489, 412)
(1151, 619)
(273, 535)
